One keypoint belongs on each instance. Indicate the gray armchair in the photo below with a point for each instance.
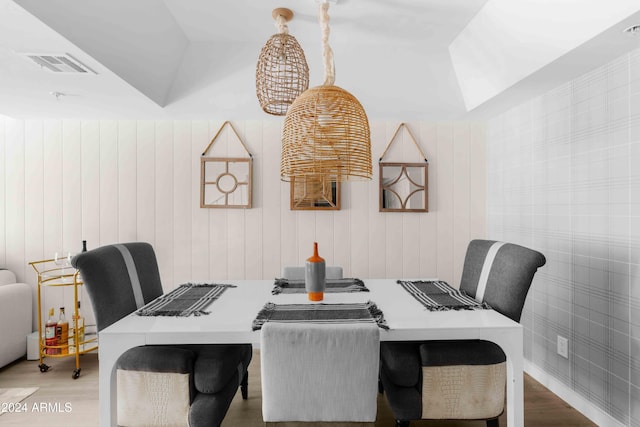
(159, 385)
(464, 380)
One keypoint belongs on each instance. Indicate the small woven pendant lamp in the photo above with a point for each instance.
(282, 72)
(326, 131)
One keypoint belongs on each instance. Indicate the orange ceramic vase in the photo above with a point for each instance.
(314, 275)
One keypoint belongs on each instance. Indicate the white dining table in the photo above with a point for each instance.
(231, 316)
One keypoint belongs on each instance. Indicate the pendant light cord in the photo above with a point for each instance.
(327, 53)
(281, 25)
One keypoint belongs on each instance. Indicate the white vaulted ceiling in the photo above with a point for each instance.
(404, 59)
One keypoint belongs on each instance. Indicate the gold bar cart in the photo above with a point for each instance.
(53, 272)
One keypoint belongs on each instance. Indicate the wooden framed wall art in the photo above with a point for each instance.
(226, 182)
(403, 185)
(314, 193)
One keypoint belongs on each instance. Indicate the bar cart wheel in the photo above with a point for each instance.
(76, 374)
(43, 367)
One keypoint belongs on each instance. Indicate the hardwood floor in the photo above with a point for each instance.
(55, 387)
(542, 408)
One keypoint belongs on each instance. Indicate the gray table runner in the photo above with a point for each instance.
(286, 286)
(185, 300)
(320, 313)
(439, 296)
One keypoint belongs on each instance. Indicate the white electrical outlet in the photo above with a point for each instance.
(563, 347)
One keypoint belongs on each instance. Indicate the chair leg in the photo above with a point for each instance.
(402, 423)
(244, 386)
(493, 423)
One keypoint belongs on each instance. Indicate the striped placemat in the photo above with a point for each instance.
(286, 286)
(437, 295)
(366, 312)
(185, 300)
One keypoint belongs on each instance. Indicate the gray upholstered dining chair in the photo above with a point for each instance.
(462, 379)
(319, 372)
(297, 273)
(159, 385)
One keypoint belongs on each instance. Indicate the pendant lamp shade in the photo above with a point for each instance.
(282, 72)
(326, 130)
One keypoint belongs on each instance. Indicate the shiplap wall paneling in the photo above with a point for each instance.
(52, 241)
(80, 200)
(411, 232)
(272, 201)
(71, 184)
(445, 174)
(90, 166)
(339, 242)
(127, 185)
(53, 189)
(379, 247)
(62, 162)
(327, 232)
(182, 205)
(108, 181)
(393, 221)
(218, 217)
(235, 244)
(164, 194)
(70, 165)
(427, 136)
(145, 182)
(34, 213)
(359, 237)
(199, 232)
(306, 223)
(236, 232)
(477, 182)
(253, 253)
(461, 196)
(356, 200)
(15, 197)
(289, 244)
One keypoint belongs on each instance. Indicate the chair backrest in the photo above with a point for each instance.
(297, 273)
(119, 279)
(500, 274)
(319, 372)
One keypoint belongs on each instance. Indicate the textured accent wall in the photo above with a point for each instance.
(563, 176)
(116, 181)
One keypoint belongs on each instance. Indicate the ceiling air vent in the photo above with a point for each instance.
(59, 63)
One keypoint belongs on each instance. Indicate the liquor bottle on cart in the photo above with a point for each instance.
(62, 333)
(77, 333)
(50, 338)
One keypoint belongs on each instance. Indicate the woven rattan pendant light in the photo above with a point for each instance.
(282, 72)
(326, 130)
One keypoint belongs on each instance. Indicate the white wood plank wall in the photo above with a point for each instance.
(64, 181)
